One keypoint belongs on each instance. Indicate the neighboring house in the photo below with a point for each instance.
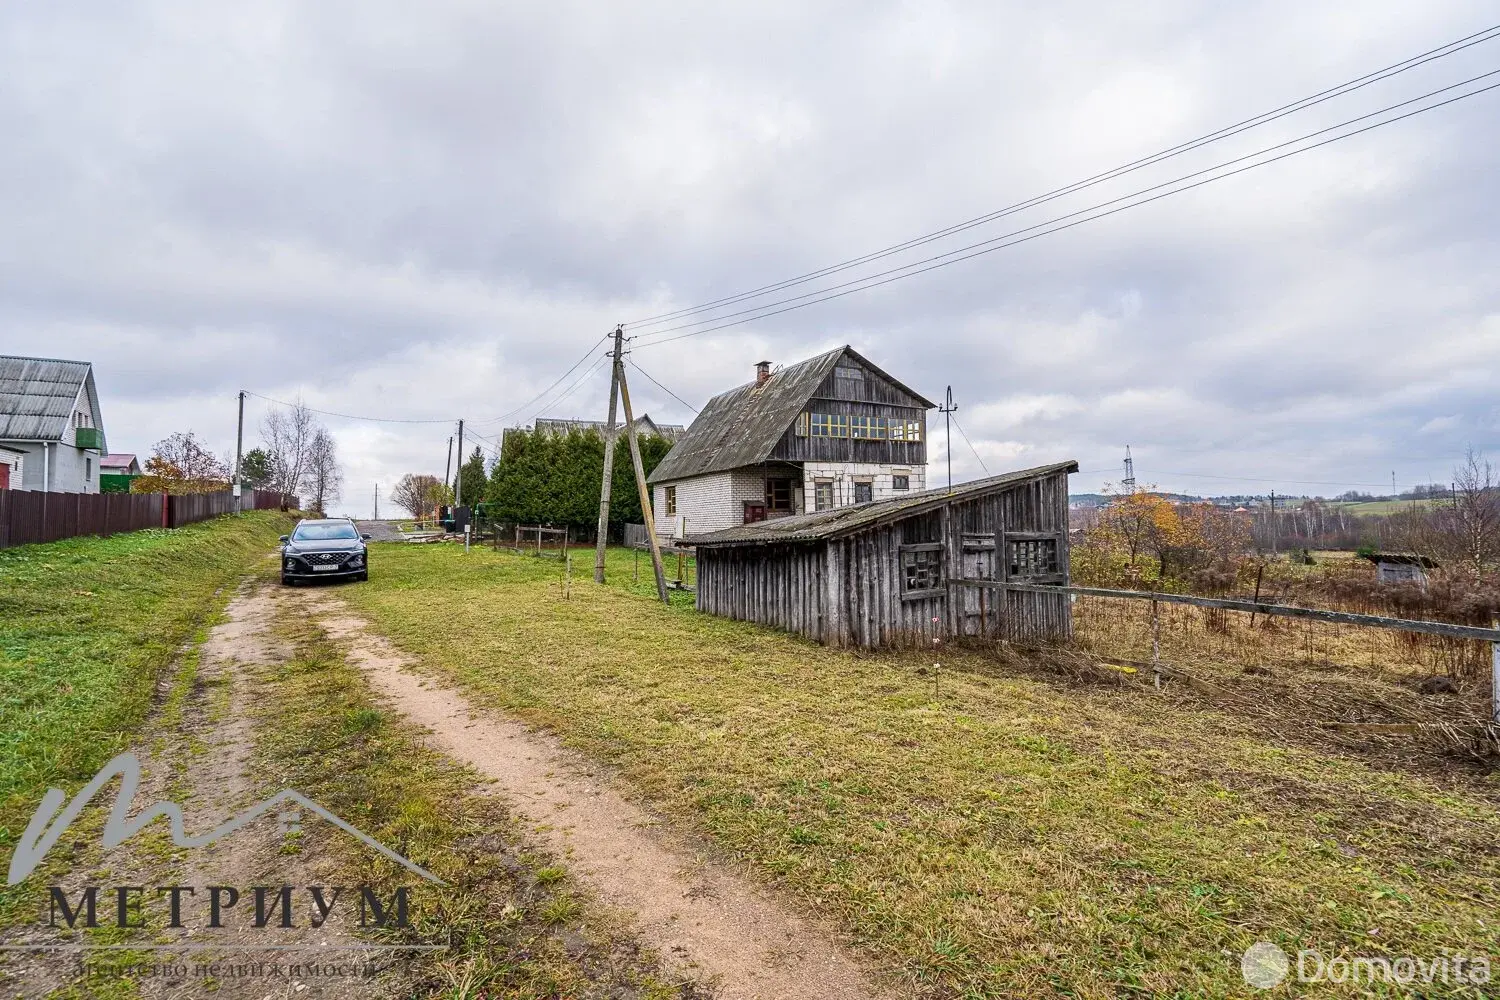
(116, 473)
(49, 414)
(643, 425)
(823, 433)
(904, 570)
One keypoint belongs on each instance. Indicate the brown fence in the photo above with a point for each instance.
(30, 516)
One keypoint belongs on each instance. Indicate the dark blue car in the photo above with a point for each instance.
(326, 549)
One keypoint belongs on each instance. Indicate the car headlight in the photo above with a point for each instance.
(291, 563)
(356, 559)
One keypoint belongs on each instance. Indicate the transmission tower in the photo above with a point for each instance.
(1129, 481)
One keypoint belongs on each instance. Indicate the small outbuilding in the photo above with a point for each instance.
(1400, 567)
(905, 570)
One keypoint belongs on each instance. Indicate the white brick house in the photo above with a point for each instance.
(827, 432)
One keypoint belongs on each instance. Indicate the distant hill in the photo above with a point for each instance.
(1102, 499)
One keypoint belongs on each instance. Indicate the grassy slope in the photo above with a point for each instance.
(85, 627)
(994, 835)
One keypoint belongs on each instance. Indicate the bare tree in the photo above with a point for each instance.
(287, 435)
(1476, 512)
(183, 456)
(323, 480)
(418, 493)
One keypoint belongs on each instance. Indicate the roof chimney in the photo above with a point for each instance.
(762, 371)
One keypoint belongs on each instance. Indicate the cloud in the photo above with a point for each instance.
(433, 215)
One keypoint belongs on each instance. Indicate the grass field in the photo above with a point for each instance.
(983, 829)
(1382, 506)
(86, 625)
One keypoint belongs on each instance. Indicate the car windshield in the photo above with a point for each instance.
(322, 532)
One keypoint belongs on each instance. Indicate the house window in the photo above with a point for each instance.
(870, 428)
(864, 492)
(822, 425)
(804, 421)
(779, 496)
(904, 430)
(670, 496)
(1034, 557)
(900, 482)
(921, 569)
(88, 469)
(823, 494)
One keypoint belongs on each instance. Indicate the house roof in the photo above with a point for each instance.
(643, 424)
(38, 396)
(122, 460)
(846, 520)
(742, 426)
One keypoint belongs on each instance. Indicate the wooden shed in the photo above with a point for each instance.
(905, 570)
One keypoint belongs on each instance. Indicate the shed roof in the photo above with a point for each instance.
(38, 395)
(845, 520)
(742, 426)
(119, 460)
(1400, 559)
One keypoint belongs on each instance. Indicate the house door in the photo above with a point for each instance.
(979, 605)
(754, 512)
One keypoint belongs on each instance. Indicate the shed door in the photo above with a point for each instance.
(978, 563)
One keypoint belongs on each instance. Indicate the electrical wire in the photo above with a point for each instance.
(1350, 86)
(510, 413)
(975, 450)
(663, 388)
(574, 387)
(348, 416)
(1002, 242)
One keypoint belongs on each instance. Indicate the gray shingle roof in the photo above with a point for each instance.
(37, 397)
(844, 520)
(742, 426)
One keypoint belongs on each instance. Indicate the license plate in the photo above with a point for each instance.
(324, 569)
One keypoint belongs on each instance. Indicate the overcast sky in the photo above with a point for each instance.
(431, 211)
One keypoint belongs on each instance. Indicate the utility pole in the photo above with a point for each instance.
(239, 457)
(640, 481)
(458, 473)
(377, 503)
(947, 410)
(1273, 524)
(448, 466)
(609, 457)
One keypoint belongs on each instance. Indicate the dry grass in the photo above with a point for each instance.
(1006, 825)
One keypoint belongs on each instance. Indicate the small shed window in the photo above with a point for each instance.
(864, 491)
(901, 482)
(1032, 557)
(921, 569)
(823, 494)
(671, 500)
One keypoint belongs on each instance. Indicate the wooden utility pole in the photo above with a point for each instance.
(458, 473)
(609, 458)
(947, 411)
(640, 481)
(448, 468)
(239, 457)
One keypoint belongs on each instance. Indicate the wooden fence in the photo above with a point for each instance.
(28, 517)
(1445, 629)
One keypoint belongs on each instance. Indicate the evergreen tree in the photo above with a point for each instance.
(554, 479)
(472, 477)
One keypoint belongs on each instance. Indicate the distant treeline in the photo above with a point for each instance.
(554, 479)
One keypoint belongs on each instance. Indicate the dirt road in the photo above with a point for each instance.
(714, 925)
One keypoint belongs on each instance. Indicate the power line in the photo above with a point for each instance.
(574, 387)
(1004, 241)
(975, 450)
(663, 388)
(510, 413)
(1350, 86)
(350, 416)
